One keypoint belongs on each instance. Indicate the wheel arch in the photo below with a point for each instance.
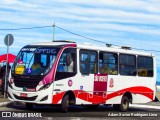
(72, 97)
(129, 95)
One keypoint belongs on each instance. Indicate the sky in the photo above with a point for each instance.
(134, 23)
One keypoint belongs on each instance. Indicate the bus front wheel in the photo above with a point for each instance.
(65, 103)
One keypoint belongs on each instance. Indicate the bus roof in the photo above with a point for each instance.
(89, 46)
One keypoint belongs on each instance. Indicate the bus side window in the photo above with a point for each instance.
(84, 63)
(88, 62)
(67, 64)
(127, 65)
(108, 63)
(145, 66)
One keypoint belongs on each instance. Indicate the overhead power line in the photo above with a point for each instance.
(80, 35)
(53, 26)
(101, 41)
(26, 28)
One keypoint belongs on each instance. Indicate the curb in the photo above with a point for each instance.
(4, 104)
(10, 103)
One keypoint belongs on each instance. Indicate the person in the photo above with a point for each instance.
(3, 69)
(35, 65)
(5, 77)
(124, 70)
(69, 63)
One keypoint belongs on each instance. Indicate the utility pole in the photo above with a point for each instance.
(53, 31)
(8, 41)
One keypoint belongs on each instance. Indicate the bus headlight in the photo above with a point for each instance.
(45, 86)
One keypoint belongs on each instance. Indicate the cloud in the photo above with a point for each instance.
(135, 23)
(73, 11)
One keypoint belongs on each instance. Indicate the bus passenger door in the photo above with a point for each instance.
(95, 84)
(66, 70)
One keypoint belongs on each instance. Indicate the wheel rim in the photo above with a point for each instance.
(125, 104)
(67, 103)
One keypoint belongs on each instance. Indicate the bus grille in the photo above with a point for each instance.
(25, 98)
(28, 83)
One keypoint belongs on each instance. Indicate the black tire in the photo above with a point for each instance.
(156, 99)
(65, 104)
(124, 104)
(29, 106)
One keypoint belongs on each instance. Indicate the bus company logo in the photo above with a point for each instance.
(70, 83)
(111, 83)
(100, 78)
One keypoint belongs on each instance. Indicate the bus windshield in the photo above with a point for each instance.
(34, 60)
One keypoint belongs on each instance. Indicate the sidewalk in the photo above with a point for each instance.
(4, 101)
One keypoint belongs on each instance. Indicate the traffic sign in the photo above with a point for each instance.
(8, 40)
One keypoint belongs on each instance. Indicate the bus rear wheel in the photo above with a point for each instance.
(29, 106)
(123, 107)
(65, 103)
(124, 104)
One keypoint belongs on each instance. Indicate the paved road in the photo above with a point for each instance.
(81, 113)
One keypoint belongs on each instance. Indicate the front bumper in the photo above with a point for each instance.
(38, 97)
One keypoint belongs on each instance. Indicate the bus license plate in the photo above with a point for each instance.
(23, 95)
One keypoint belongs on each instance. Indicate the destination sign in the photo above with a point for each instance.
(40, 50)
